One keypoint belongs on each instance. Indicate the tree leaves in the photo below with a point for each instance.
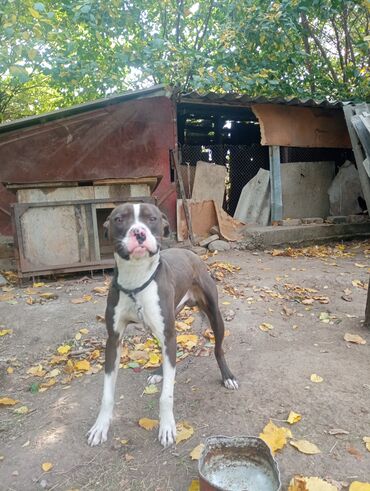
(305, 446)
(275, 436)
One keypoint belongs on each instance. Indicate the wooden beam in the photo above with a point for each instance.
(275, 183)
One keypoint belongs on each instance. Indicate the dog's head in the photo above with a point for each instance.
(136, 230)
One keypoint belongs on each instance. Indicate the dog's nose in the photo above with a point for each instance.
(139, 234)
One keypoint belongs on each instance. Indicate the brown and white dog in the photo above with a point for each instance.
(150, 286)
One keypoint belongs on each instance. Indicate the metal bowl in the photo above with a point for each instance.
(242, 463)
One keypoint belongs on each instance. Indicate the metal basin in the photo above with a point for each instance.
(242, 463)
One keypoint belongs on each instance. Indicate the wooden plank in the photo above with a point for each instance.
(209, 183)
(350, 111)
(362, 133)
(275, 181)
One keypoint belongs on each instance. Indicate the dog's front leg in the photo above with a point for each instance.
(167, 427)
(98, 433)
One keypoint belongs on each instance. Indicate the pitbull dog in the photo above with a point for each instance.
(150, 286)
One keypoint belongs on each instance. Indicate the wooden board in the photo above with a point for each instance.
(292, 126)
(209, 183)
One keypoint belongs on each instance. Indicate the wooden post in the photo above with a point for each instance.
(367, 309)
(275, 184)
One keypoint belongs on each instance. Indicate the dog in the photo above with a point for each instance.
(150, 286)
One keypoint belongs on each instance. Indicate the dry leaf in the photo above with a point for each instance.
(196, 453)
(54, 373)
(36, 371)
(7, 401)
(353, 451)
(300, 483)
(47, 466)
(9, 370)
(316, 378)
(38, 285)
(64, 349)
(49, 296)
(150, 389)
(25, 444)
(275, 436)
(366, 440)
(194, 485)
(82, 365)
(305, 446)
(78, 336)
(359, 486)
(338, 431)
(187, 340)
(100, 318)
(6, 297)
(101, 290)
(84, 330)
(148, 424)
(84, 299)
(265, 326)
(4, 332)
(184, 431)
(293, 417)
(354, 338)
(359, 284)
(21, 410)
(129, 457)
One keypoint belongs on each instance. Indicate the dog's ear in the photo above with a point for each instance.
(106, 226)
(166, 226)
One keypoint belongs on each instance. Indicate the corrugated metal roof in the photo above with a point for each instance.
(246, 100)
(154, 91)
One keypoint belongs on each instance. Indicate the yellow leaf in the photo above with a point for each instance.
(189, 321)
(38, 285)
(101, 290)
(53, 373)
(6, 297)
(184, 431)
(275, 436)
(95, 354)
(194, 485)
(84, 330)
(21, 410)
(150, 389)
(293, 418)
(83, 365)
(36, 371)
(305, 446)
(359, 486)
(7, 401)
(316, 378)
(64, 349)
(148, 424)
(181, 326)
(9, 370)
(226, 303)
(47, 466)
(366, 440)
(196, 453)
(4, 332)
(300, 483)
(49, 296)
(265, 326)
(354, 338)
(85, 298)
(187, 340)
(78, 336)
(45, 385)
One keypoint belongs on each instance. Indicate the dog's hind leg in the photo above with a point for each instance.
(98, 433)
(205, 293)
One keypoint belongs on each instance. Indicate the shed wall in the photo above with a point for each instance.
(129, 139)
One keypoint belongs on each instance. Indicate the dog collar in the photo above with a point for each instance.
(134, 291)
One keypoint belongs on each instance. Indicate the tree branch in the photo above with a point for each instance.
(341, 60)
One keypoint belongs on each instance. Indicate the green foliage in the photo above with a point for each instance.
(56, 53)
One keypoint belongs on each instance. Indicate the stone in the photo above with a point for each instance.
(310, 221)
(337, 219)
(357, 218)
(219, 245)
(199, 250)
(292, 222)
(208, 240)
(3, 281)
(215, 230)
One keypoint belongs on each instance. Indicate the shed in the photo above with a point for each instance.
(130, 136)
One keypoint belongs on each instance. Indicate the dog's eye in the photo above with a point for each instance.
(152, 219)
(118, 219)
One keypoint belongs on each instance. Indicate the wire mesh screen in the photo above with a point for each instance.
(298, 154)
(242, 163)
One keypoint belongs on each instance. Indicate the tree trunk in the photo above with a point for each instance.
(367, 310)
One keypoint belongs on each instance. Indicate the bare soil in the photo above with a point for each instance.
(273, 369)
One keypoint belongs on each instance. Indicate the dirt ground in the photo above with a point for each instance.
(272, 366)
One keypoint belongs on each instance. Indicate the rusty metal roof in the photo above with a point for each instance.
(154, 91)
(232, 99)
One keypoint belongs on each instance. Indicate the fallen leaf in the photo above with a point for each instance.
(100, 318)
(366, 440)
(25, 444)
(49, 296)
(354, 338)
(129, 457)
(265, 326)
(38, 285)
(47, 466)
(226, 303)
(300, 483)
(53, 373)
(101, 290)
(6, 297)
(359, 284)
(308, 301)
(7, 401)
(360, 265)
(9, 370)
(82, 365)
(324, 317)
(4, 332)
(150, 389)
(305, 446)
(338, 431)
(184, 431)
(78, 336)
(356, 453)
(275, 436)
(21, 410)
(359, 486)
(37, 371)
(148, 424)
(181, 326)
(316, 378)
(84, 330)
(196, 453)
(194, 485)
(84, 299)
(64, 349)
(187, 340)
(293, 417)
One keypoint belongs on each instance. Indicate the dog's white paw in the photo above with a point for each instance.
(98, 433)
(231, 383)
(167, 432)
(154, 379)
